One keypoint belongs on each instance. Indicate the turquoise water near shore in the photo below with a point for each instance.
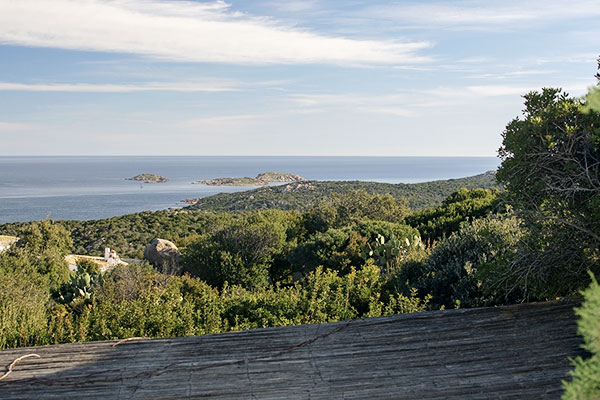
(33, 188)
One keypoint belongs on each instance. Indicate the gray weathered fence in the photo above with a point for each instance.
(506, 352)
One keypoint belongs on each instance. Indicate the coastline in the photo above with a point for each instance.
(75, 187)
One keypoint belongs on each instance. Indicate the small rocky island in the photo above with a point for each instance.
(148, 178)
(261, 180)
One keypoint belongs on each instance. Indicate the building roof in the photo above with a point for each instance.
(508, 352)
(75, 259)
(7, 240)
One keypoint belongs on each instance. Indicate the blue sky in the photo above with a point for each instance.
(266, 77)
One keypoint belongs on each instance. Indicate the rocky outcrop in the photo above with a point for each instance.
(279, 177)
(164, 256)
(148, 178)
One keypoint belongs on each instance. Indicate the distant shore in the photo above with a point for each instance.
(262, 179)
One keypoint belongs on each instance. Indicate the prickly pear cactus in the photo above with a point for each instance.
(388, 255)
(81, 286)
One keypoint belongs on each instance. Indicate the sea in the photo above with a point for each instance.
(94, 187)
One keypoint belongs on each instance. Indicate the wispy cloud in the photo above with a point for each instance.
(414, 103)
(186, 31)
(468, 14)
(117, 88)
(395, 104)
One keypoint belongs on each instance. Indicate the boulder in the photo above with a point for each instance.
(164, 256)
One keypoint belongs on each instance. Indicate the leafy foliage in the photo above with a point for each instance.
(336, 249)
(460, 272)
(551, 170)
(23, 297)
(462, 205)
(585, 382)
(50, 242)
(239, 254)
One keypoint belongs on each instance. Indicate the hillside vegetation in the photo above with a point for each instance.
(304, 195)
(129, 234)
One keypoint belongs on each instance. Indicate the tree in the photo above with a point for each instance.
(551, 171)
(45, 244)
(239, 254)
(340, 210)
(336, 249)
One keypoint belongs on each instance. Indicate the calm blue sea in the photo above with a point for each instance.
(33, 188)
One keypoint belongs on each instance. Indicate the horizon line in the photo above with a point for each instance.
(248, 155)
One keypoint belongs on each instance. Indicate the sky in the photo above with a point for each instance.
(268, 77)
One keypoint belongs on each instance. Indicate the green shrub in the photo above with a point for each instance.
(88, 266)
(239, 253)
(461, 270)
(336, 249)
(342, 209)
(585, 378)
(46, 244)
(461, 206)
(23, 299)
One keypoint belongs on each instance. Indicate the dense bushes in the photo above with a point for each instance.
(136, 301)
(29, 270)
(461, 270)
(259, 248)
(463, 205)
(339, 210)
(247, 270)
(239, 253)
(23, 302)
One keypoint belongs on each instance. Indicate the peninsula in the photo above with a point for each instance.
(262, 179)
(148, 178)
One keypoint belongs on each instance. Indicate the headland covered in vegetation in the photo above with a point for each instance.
(303, 195)
(261, 179)
(332, 251)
